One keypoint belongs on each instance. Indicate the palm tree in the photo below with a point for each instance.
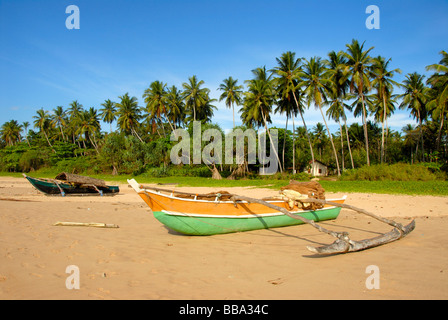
(261, 73)
(284, 106)
(410, 138)
(335, 109)
(381, 115)
(258, 104)
(206, 110)
(415, 99)
(175, 106)
(250, 115)
(153, 97)
(156, 105)
(43, 123)
(437, 104)
(439, 92)
(25, 126)
(75, 109)
(442, 66)
(288, 75)
(74, 112)
(356, 133)
(129, 114)
(384, 85)
(58, 119)
(338, 75)
(89, 125)
(259, 113)
(317, 87)
(319, 138)
(232, 93)
(194, 95)
(10, 132)
(359, 62)
(109, 112)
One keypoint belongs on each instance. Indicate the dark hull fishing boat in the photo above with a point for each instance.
(72, 184)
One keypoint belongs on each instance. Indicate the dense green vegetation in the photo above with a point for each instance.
(352, 81)
(430, 187)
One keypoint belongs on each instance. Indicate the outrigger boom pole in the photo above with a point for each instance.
(343, 244)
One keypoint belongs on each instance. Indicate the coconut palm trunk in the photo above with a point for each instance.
(331, 139)
(439, 135)
(284, 142)
(46, 137)
(136, 134)
(342, 146)
(233, 110)
(348, 143)
(306, 133)
(272, 143)
(366, 134)
(94, 144)
(382, 130)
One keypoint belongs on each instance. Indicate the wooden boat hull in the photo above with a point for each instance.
(211, 225)
(203, 217)
(51, 188)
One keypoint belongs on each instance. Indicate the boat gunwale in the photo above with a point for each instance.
(145, 190)
(197, 200)
(62, 182)
(49, 181)
(245, 216)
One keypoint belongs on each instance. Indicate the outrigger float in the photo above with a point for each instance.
(222, 212)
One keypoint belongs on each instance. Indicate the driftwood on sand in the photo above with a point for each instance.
(83, 224)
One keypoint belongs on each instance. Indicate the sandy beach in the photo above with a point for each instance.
(144, 260)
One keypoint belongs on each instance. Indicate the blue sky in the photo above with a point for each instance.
(122, 46)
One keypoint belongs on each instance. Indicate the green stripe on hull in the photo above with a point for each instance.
(209, 226)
